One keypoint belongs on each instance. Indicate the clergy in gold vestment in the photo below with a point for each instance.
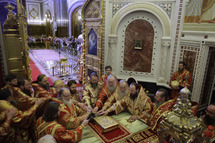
(183, 77)
(72, 85)
(71, 115)
(58, 84)
(92, 91)
(23, 101)
(137, 103)
(26, 87)
(23, 95)
(47, 124)
(106, 92)
(121, 92)
(161, 106)
(5, 126)
(20, 122)
(41, 88)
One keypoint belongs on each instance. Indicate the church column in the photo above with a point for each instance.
(164, 60)
(198, 79)
(112, 46)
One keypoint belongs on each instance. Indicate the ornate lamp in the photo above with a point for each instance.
(11, 22)
(180, 125)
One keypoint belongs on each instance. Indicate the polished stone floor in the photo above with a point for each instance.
(48, 61)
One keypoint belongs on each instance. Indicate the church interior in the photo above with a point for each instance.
(145, 41)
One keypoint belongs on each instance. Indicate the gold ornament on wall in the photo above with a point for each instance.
(33, 13)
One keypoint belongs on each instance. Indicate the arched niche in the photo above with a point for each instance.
(72, 8)
(138, 45)
(151, 8)
(160, 42)
(76, 29)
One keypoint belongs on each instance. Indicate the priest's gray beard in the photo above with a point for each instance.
(68, 103)
(111, 89)
(122, 93)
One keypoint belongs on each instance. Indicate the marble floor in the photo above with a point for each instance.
(48, 61)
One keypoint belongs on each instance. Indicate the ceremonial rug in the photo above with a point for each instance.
(146, 135)
(111, 136)
(35, 72)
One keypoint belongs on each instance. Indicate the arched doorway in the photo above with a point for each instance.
(76, 21)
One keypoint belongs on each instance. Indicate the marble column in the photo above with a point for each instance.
(164, 54)
(200, 71)
(112, 47)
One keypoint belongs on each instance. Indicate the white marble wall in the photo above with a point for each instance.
(163, 14)
(34, 15)
(198, 39)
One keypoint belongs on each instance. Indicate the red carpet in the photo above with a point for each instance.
(35, 72)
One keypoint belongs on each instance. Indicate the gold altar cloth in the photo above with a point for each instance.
(90, 136)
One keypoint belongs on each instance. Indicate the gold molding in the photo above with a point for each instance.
(33, 10)
(14, 59)
(98, 26)
(199, 27)
(11, 30)
(151, 8)
(11, 35)
(17, 70)
(22, 19)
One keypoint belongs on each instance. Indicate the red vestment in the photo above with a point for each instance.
(19, 123)
(54, 92)
(103, 79)
(5, 126)
(24, 102)
(90, 94)
(184, 78)
(103, 96)
(112, 99)
(70, 117)
(76, 96)
(156, 116)
(139, 107)
(58, 131)
(40, 92)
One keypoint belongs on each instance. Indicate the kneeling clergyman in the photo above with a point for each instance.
(47, 124)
